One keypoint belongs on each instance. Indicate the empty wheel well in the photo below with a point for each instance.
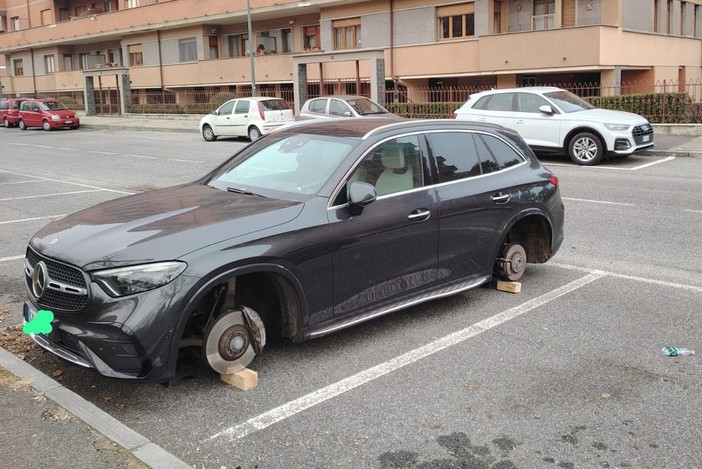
(534, 234)
(271, 295)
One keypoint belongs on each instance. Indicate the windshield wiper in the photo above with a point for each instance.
(238, 190)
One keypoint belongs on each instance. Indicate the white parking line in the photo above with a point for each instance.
(65, 182)
(19, 182)
(47, 195)
(292, 408)
(693, 211)
(30, 219)
(660, 283)
(613, 168)
(141, 156)
(12, 258)
(597, 201)
(101, 152)
(186, 161)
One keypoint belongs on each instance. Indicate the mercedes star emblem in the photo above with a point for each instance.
(40, 278)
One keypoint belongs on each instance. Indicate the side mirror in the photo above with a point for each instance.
(348, 114)
(546, 110)
(360, 194)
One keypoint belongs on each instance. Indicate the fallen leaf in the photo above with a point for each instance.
(605, 395)
(58, 374)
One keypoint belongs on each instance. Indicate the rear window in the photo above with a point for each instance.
(3, 104)
(318, 105)
(16, 104)
(275, 105)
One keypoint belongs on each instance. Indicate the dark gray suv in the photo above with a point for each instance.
(316, 227)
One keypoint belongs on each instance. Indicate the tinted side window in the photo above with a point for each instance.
(527, 102)
(482, 103)
(227, 108)
(487, 162)
(503, 153)
(455, 155)
(242, 107)
(318, 105)
(337, 108)
(16, 104)
(500, 102)
(3, 105)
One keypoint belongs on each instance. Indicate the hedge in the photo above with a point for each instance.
(656, 107)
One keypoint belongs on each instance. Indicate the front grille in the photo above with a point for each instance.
(63, 273)
(640, 131)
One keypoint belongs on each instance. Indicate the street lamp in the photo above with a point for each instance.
(251, 49)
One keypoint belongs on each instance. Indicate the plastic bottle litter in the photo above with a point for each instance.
(675, 351)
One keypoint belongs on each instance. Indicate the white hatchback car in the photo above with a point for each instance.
(246, 117)
(553, 120)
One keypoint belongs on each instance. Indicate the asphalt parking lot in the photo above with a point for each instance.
(568, 373)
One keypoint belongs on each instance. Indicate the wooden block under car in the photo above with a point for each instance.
(245, 379)
(512, 287)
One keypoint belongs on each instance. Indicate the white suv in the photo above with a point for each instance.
(553, 120)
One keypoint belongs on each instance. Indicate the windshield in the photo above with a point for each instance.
(568, 102)
(365, 106)
(283, 167)
(52, 106)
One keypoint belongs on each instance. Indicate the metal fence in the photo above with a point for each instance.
(660, 102)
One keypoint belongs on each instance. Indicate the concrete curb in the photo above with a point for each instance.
(137, 128)
(672, 152)
(139, 446)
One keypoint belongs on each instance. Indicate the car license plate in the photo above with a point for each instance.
(71, 122)
(646, 138)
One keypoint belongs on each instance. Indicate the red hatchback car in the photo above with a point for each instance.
(48, 114)
(9, 111)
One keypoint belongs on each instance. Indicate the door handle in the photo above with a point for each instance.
(420, 214)
(519, 121)
(501, 198)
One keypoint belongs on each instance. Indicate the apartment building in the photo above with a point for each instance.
(120, 50)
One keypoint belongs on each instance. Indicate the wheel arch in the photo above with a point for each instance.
(534, 231)
(573, 132)
(289, 297)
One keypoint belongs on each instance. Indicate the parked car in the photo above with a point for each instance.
(314, 228)
(48, 114)
(553, 120)
(9, 111)
(246, 117)
(341, 106)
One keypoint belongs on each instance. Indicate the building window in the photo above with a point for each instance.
(311, 40)
(456, 21)
(132, 3)
(15, 22)
(187, 49)
(544, 15)
(64, 15)
(19, 67)
(108, 6)
(347, 33)
(45, 17)
(286, 39)
(83, 63)
(136, 55)
(67, 62)
(49, 64)
(237, 44)
(214, 47)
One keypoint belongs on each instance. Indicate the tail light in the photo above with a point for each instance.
(554, 180)
(454, 115)
(261, 111)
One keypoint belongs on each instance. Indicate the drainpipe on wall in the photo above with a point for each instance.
(160, 63)
(34, 75)
(392, 44)
(29, 16)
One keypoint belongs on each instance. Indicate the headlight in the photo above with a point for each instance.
(54, 117)
(620, 127)
(138, 278)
